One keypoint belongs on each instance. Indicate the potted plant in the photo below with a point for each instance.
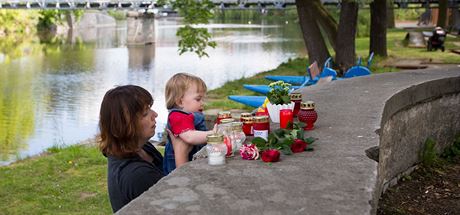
(279, 99)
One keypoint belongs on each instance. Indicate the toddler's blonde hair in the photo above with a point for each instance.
(178, 84)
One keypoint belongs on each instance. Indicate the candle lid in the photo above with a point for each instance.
(261, 119)
(227, 120)
(247, 119)
(296, 96)
(245, 115)
(308, 105)
(224, 114)
(215, 138)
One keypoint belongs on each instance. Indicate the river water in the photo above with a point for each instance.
(52, 88)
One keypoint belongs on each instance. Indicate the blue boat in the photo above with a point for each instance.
(257, 101)
(294, 80)
(263, 89)
(298, 80)
(359, 70)
(253, 101)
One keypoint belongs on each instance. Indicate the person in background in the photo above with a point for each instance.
(184, 96)
(126, 124)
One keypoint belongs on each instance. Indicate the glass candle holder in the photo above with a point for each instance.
(297, 99)
(308, 115)
(261, 127)
(216, 149)
(225, 129)
(223, 115)
(248, 126)
(238, 136)
(286, 118)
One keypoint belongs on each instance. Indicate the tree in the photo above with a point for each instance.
(378, 39)
(345, 51)
(315, 21)
(194, 39)
(390, 14)
(442, 15)
(316, 46)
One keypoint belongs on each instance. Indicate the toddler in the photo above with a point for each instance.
(184, 96)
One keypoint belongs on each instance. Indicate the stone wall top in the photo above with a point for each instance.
(336, 178)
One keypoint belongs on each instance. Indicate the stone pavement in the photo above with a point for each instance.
(336, 178)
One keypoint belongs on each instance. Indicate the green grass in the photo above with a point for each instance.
(70, 180)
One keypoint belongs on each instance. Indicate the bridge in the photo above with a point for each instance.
(130, 4)
(151, 4)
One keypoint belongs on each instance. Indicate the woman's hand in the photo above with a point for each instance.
(181, 149)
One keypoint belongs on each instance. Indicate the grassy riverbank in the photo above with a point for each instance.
(70, 180)
(73, 179)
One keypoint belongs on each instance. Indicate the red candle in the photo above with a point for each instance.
(261, 127)
(223, 115)
(297, 99)
(244, 115)
(286, 118)
(247, 126)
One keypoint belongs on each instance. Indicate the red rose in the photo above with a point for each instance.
(270, 155)
(298, 146)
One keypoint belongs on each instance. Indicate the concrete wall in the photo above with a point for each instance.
(431, 109)
(337, 177)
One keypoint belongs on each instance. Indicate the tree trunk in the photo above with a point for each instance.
(378, 38)
(345, 54)
(316, 47)
(442, 15)
(390, 14)
(326, 22)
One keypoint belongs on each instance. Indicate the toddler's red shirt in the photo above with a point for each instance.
(181, 122)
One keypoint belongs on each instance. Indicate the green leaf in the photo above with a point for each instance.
(258, 141)
(309, 148)
(278, 132)
(286, 141)
(309, 140)
(286, 150)
(294, 133)
(299, 125)
(286, 99)
(272, 141)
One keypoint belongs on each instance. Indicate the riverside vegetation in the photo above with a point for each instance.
(73, 179)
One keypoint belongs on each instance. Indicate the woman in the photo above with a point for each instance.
(126, 123)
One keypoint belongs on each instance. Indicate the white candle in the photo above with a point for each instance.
(216, 158)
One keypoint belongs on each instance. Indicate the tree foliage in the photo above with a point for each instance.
(193, 38)
(48, 18)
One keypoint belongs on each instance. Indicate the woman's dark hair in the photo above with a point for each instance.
(119, 118)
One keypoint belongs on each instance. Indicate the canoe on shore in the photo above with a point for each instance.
(294, 80)
(263, 89)
(253, 101)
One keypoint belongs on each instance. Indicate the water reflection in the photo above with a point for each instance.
(16, 110)
(141, 57)
(51, 95)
